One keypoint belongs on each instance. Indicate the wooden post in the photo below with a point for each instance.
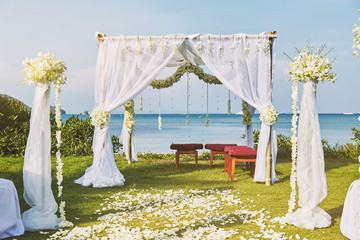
(268, 162)
(268, 149)
(129, 147)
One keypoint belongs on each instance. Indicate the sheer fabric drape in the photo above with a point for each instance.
(243, 64)
(37, 166)
(124, 68)
(311, 179)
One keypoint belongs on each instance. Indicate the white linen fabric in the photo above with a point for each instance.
(37, 166)
(348, 225)
(124, 139)
(311, 178)
(125, 66)
(10, 218)
(243, 64)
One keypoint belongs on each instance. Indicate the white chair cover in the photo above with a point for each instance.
(311, 178)
(37, 166)
(348, 224)
(10, 219)
(125, 66)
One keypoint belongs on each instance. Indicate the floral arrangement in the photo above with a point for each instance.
(246, 113)
(129, 115)
(99, 117)
(141, 104)
(44, 68)
(356, 40)
(185, 67)
(309, 65)
(268, 115)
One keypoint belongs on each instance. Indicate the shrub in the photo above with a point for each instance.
(14, 126)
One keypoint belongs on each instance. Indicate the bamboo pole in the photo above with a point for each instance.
(271, 35)
(129, 147)
(268, 149)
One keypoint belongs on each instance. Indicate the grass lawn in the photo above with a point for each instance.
(158, 197)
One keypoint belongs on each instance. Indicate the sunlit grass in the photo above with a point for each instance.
(156, 176)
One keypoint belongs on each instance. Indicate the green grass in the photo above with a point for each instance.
(157, 175)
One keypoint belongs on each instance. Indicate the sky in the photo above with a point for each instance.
(67, 28)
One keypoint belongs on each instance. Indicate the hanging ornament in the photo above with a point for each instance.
(229, 105)
(207, 104)
(159, 118)
(187, 99)
(141, 103)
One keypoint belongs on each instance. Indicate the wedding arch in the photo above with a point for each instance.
(126, 65)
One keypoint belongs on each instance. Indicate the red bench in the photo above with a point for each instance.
(189, 148)
(217, 149)
(235, 154)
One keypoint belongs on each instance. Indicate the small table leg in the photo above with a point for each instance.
(196, 159)
(177, 160)
(232, 169)
(211, 158)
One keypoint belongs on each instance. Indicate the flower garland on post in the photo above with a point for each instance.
(159, 118)
(307, 66)
(207, 104)
(356, 48)
(44, 68)
(129, 123)
(246, 113)
(229, 105)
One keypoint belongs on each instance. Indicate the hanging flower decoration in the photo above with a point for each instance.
(246, 48)
(356, 31)
(99, 117)
(151, 45)
(246, 113)
(45, 69)
(309, 65)
(159, 120)
(209, 46)
(138, 47)
(233, 44)
(141, 104)
(129, 115)
(268, 115)
(221, 48)
(186, 67)
(229, 105)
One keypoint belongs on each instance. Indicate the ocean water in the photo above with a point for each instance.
(336, 128)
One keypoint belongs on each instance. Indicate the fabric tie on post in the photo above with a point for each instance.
(311, 178)
(37, 166)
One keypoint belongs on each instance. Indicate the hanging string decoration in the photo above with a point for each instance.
(159, 118)
(141, 104)
(187, 99)
(207, 104)
(246, 113)
(186, 67)
(129, 115)
(229, 105)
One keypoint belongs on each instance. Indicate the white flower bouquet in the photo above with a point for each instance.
(268, 115)
(44, 68)
(99, 117)
(309, 65)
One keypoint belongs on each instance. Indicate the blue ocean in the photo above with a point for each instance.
(223, 128)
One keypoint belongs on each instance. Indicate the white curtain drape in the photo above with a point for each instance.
(125, 66)
(311, 179)
(37, 166)
(124, 139)
(243, 64)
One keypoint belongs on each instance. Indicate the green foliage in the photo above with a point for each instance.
(77, 137)
(14, 126)
(155, 156)
(77, 134)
